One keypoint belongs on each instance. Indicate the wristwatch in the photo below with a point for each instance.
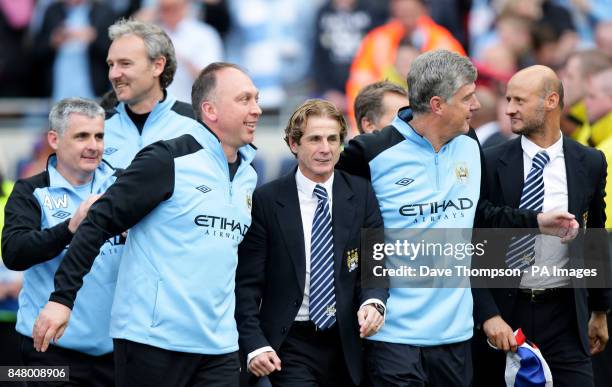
(379, 308)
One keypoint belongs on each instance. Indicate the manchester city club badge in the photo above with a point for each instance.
(330, 310)
(249, 200)
(352, 259)
(462, 173)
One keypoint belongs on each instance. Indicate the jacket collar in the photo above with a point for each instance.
(56, 180)
(160, 108)
(208, 139)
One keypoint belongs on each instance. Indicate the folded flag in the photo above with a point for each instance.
(526, 367)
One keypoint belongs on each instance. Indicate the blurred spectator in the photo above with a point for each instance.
(585, 15)
(484, 120)
(216, 14)
(38, 14)
(70, 48)
(603, 37)
(274, 41)
(377, 104)
(452, 15)
(480, 22)
(397, 72)
(37, 162)
(537, 31)
(558, 21)
(340, 26)
(512, 31)
(379, 47)
(14, 64)
(598, 103)
(124, 8)
(578, 68)
(10, 284)
(497, 64)
(546, 45)
(196, 44)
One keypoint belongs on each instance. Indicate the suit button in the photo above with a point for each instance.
(296, 303)
(283, 330)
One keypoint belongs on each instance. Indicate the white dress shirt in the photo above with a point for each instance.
(308, 206)
(549, 251)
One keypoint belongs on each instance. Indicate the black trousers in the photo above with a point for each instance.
(85, 370)
(311, 358)
(602, 363)
(143, 365)
(11, 341)
(403, 365)
(552, 326)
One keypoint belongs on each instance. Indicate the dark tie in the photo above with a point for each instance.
(322, 298)
(521, 252)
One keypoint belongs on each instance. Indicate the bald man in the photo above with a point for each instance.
(568, 323)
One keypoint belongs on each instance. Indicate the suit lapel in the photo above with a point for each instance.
(574, 170)
(343, 212)
(289, 219)
(510, 173)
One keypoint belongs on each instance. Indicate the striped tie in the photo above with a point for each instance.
(521, 252)
(322, 298)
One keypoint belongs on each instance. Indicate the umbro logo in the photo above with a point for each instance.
(203, 189)
(61, 214)
(404, 181)
(110, 150)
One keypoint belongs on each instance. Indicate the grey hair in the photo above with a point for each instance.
(59, 116)
(437, 73)
(155, 40)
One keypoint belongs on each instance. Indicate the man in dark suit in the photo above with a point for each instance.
(300, 308)
(541, 170)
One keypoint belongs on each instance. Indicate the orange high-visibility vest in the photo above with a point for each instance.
(379, 47)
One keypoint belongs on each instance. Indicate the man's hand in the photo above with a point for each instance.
(81, 213)
(370, 320)
(598, 332)
(500, 334)
(558, 223)
(50, 325)
(264, 364)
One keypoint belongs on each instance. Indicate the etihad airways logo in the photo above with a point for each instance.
(112, 245)
(220, 226)
(430, 212)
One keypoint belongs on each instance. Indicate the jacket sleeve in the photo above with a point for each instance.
(147, 182)
(24, 244)
(373, 220)
(353, 159)
(600, 298)
(250, 279)
(485, 306)
(490, 215)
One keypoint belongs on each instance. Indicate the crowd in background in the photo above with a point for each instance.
(58, 48)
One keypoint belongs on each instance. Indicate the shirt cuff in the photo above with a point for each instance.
(375, 301)
(258, 352)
